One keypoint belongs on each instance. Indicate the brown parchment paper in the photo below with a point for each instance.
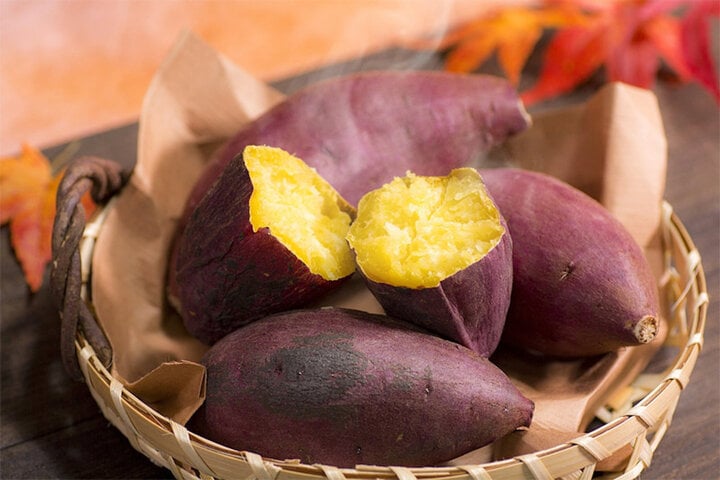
(612, 146)
(197, 99)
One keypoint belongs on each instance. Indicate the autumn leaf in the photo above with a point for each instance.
(27, 202)
(696, 44)
(630, 38)
(573, 56)
(510, 32)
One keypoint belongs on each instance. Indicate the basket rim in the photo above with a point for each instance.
(187, 454)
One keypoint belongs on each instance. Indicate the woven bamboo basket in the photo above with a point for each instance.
(635, 421)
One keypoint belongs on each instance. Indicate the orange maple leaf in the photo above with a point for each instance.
(511, 32)
(27, 202)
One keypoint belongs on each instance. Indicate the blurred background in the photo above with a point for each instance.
(69, 68)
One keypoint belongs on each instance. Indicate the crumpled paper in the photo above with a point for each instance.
(197, 100)
(612, 146)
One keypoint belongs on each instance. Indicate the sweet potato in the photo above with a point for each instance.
(360, 130)
(581, 285)
(269, 236)
(345, 387)
(434, 251)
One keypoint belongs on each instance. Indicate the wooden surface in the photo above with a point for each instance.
(51, 427)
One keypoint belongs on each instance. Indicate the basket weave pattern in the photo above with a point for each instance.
(635, 419)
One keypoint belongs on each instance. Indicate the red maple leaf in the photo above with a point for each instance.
(629, 38)
(695, 39)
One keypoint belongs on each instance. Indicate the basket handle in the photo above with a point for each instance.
(103, 178)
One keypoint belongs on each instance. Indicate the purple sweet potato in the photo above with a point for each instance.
(581, 284)
(435, 251)
(344, 387)
(359, 131)
(269, 236)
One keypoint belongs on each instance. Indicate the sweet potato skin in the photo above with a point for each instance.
(582, 286)
(469, 307)
(345, 387)
(227, 275)
(361, 130)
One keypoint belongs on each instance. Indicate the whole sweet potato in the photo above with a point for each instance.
(581, 284)
(434, 250)
(360, 130)
(345, 387)
(268, 236)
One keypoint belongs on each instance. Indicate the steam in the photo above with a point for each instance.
(417, 28)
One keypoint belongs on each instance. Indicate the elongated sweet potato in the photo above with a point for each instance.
(361, 130)
(269, 236)
(345, 387)
(582, 286)
(434, 251)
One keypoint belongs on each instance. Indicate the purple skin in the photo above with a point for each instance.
(344, 387)
(582, 286)
(361, 130)
(227, 275)
(468, 307)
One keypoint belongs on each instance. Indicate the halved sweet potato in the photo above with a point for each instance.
(582, 286)
(344, 387)
(361, 130)
(269, 236)
(435, 252)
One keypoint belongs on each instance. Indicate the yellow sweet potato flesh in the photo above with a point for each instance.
(301, 210)
(416, 231)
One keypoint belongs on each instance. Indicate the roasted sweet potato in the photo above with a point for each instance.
(344, 387)
(581, 284)
(434, 251)
(361, 130)
(269, 236)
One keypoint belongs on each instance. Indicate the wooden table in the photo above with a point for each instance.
(51, 427)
